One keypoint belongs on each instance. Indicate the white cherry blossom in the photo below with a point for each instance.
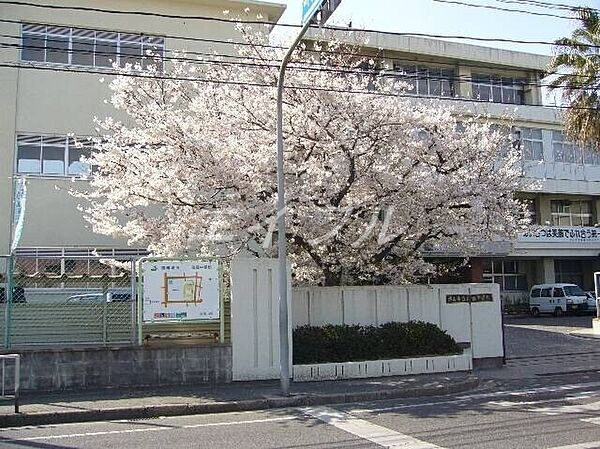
(373, 179)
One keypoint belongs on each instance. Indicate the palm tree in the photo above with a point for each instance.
(577, 61)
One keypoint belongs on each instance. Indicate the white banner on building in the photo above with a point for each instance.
(566, 234)
(181, 290)
(20, 200)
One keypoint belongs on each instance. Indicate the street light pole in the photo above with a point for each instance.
(284, 344)
(313, 12)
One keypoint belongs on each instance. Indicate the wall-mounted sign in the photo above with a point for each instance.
(181, 290)
(478, 297)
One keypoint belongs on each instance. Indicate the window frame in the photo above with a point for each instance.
(561, 213)
(506, 272)
(47, 32)
(490, 84)
(64, 142)
(526, 138)
(33, 34)
(421, 78)
(577, 154)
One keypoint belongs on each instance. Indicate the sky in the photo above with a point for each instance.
(429, 16)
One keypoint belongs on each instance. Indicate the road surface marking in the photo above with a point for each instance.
(379, 435)
(590, 445)
(476, 396)
(595, 421)
(158, 428)
(567, 409)
(584, 395)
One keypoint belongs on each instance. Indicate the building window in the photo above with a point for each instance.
(566, 151)
(571, 213)
(531, 143)
(427, 81)
(498, 89)
(568, 271)
(54, 156)
(507, 273)
(82, 47)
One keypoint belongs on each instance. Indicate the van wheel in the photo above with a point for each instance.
(535, 311)
(558, 312)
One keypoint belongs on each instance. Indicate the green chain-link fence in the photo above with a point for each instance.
(67, 302)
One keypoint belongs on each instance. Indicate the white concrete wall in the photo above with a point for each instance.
(255, 314)
(255, 319)
(478, 323)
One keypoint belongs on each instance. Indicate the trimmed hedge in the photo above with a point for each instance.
(344, 343)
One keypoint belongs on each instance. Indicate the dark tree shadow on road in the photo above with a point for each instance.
(13, 443)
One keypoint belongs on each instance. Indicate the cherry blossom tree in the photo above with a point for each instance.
(374, 178)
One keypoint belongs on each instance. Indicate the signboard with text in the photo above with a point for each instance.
(309, 7)
(181, 290)
(318, 11)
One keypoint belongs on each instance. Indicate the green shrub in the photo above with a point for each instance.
(343, 343)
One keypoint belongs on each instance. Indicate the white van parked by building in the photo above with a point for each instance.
(557, 299)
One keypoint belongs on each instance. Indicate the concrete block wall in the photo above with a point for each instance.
(78, 369)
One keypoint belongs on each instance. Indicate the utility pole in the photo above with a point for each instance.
(313, 12)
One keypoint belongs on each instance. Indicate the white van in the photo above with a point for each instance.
(557, 299)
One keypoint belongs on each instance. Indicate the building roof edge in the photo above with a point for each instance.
(442, 48)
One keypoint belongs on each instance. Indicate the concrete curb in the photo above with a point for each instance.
(296, 400)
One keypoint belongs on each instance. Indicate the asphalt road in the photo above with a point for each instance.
(527, 336)
(558, 414)
(554, 406)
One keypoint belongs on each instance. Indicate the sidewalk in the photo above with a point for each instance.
(53, 408)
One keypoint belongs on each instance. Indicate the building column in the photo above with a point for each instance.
(548, 270)
(544, 205)
(533, 92)
(464, 85)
